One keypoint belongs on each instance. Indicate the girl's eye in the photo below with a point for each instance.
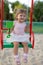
(22, 15)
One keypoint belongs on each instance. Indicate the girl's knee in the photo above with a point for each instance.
(16, 44)
(25, 44)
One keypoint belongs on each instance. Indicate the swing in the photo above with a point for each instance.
(10, 45)
(4, 44)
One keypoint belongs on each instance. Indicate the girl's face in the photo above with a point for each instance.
(21, 17)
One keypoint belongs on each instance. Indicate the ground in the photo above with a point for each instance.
(35, 56)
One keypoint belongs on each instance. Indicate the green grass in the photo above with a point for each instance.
(37, 29)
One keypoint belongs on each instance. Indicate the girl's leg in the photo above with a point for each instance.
(16, 48)
(25, 47)
(16, 56)
(25, 55)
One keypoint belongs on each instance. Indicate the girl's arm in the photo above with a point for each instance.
(27, 28)
(10, 30)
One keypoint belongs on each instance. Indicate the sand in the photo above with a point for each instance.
(35, 56)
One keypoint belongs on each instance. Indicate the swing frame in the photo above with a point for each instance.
(1, 29)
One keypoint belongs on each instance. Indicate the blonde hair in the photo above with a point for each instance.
(17, 11)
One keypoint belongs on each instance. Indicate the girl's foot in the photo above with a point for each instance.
(17, 60)
(25, 58)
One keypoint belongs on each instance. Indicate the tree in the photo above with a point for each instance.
(6, 10)
(15, 4)
(38, 10)
(18, 5)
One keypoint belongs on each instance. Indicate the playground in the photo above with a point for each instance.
(35, 56)
(35, 45)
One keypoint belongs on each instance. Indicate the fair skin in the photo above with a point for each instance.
(21, 18)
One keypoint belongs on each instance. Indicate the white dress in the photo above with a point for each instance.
(20, 35)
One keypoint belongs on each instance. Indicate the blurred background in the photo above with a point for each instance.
(10, 5)
(36, 54)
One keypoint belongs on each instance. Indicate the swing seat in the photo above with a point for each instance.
(11, 45)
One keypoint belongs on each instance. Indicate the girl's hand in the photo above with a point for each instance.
(27, 28)
(8, 32)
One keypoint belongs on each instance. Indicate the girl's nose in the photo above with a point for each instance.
(22, 17)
